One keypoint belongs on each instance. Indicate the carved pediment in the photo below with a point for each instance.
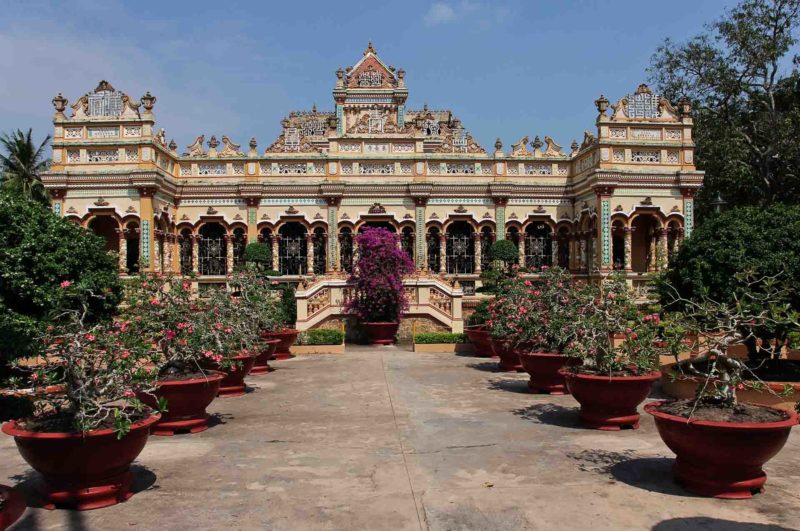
(370, 72)
(552, 149)
(229, 149)
(539, 210)
(212, 211)
(588, 140)
(520, 149)
(643, 105)
(101, 202)
(377, 208)
(130, 210)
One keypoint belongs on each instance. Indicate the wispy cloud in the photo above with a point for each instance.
(446, 12)
(440, 13)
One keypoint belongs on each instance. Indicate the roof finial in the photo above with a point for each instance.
(369, 49)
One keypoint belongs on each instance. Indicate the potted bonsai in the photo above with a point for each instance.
(379, 298)
(618, 345)
(722, 444)
(547, 323)
(505, 323)
(261, 309)
(477, 332)
(161, 310)
(83, 437)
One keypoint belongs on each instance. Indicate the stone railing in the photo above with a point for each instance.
(427, 296)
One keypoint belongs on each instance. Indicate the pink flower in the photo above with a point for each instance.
(155, 302)
(128, 393)
(217, 326)
(89, 337)
(182, 326)
(229, 330)
(170, 335)
(208, 354)
(125, 354)
(65, 284)
(34, 377)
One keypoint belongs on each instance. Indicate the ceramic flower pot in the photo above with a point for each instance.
(287, 338)
(508, 354)
(187, 401)
(479, 337)
(233, 382)
(381, 333)
(543, 368)
(13, 505)
(82, 470)
(609, 402)
(266, 352)
(721, 459)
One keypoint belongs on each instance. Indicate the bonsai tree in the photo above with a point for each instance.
(90, 370)
(378, 277)
(258, 304)
(231, 326)
(762, 239)
(258, 254)
(40, 253)
(549, 322)
(506, 252)
(508, 309)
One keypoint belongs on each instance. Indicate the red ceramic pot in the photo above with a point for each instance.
(721, 459)
(479, 337)
(381, 333)
(508, 354)
(187, 401)
(543, 368)
(266, 352)
(13, 506)
(609, 402)
(233, 382)
(82, 470)
(287, 337)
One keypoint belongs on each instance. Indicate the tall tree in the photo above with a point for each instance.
(741, 76)
(22, 165)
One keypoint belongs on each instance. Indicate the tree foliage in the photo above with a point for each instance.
(743, 84)
(40, 252)
(22, 166)
(504, 251)
(258, 253)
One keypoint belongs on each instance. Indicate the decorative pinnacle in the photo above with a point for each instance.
(498, 145)
(60, 103)
(574, 145)
(253, 143)
(602, 104)
(213, 143)
(172, 145)
(536, 144)
(369, 49)
(148, 100)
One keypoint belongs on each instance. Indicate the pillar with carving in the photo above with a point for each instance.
(333, 261)
(195, 239)
(276, 264)
(147, 238)
(421, 254)
(521, 248)
(553, 248)
(123, 252)
(628, 247)
(228, 254)
(500, 216)
(662, 255)
(168, 240)
(159, 251)
(582, 257)
(309, 253)
(476, 238)
(442, 253)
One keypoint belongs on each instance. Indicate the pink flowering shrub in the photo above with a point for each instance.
(378, 277)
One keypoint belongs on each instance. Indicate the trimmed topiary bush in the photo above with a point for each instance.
(504, 251)
(321, 336)
(259, 254)
(43, 260)
(430, 338)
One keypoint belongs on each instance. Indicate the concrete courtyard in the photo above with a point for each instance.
(389, 439)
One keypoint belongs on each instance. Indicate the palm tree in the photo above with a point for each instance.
(22, 165)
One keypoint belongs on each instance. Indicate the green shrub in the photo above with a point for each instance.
(480, 315)
(288, 304)
(258, 254)
(428, 338)
(504, 251)
(40, 253)
(272, 273)
(321, 336)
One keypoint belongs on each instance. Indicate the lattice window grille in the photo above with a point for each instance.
(643, 105)
(538, 250)
(513, 169)
(465, 168)
(430, 128)
(486, 244)
(292, 255)
(186, 255)
(239, 244)
(406, 169)
(346, 251)
(646, 134)
(266, 168)
(350, 148)
(376, 169)
(293, 169)
(186, 170)
(538, 169)
(403, 148)
(648, 157)
(486, 169)
(103, 132)
(73, 132)
(131, 155)
(376, 148)
(103, 155)
(105, 103)
(319, 249)
(292, 139)
(238, 169)
(619, 155)
(370, 79)
(433, 168)
(563, 170)
(376, 121)
(672, 157)
(313, 128)
(319, 169)
(131, 130)
(434, 245)
(211, 169)
(459, 140)
(73, 156)
(212, 256)
(347, 169)
(617, 132)
(673, 134)
(460, 252)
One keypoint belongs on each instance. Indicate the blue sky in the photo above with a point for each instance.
(506, 68)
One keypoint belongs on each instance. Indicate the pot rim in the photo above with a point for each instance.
(10, 428)
(546, 355)
(670, 369)
(650, 407)
(211, 376)
(271, 341)
(655, 375)
(382, 323)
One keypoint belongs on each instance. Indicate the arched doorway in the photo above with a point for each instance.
(643, 243)
(320, 250)
(346, 249)
(407, 241)
(618, 245)
(434, 237)
(212, 250)
(132, 247)
(487, 239)
(460, 248)
(538, 246)
(292, 249)
(239, 243)
(563, 247)
(106, 227)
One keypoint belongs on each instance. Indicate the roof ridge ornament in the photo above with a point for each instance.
(104, 86)
(370, 48)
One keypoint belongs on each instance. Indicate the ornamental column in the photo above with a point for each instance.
(688, 210)
(442, 253)
(553, 249)
(309, 253)
(332, 262)
(228, 254)
(252, 218)
(500, 216)
(123, 252)
(337, 259)
(167, 253)
(476, 238)
(582, 252)
(276, 265)
(420, 257)
(628, 246)
(604, 258)
(194, 239)
(159, 251)
(662, 254)
(521, 249)
(57, 200)
(147, 235)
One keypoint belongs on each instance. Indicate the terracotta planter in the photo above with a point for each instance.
(721, 459)
(479, 337)
(543, 368)
(509, 356)
(82, 470)
(287, 338)
(381, 333)
(266, 352)
(609, 402)
(14, 506)
(186, 404)
(233, 382)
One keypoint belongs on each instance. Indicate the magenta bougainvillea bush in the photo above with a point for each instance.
(378, 277)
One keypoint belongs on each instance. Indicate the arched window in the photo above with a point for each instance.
(434, 247)
(563, 248)
(106, 227)
(265, 236)
(239, 243)
(407, 241)
(187, 258)
(487, 238)
(643, 243)
(292, 250)
(460, 250)
(212, 250)
(538, 246)
(618, 245)
(346, 249)
(132, 247)
(320, 251)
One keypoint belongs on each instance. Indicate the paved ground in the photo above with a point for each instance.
(388, 439)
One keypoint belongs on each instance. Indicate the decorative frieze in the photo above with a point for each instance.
(131, 131)
(366, 168)
(102, 155)
(563, 170)
(646, 156)
(672, 157)
(466, 168)
(350, 147)
(347, 168)
(538, 169)
(673, 134)
(73, 132)
(406, 168)
(403, 148)
(73, 156)
(646, 134)
(619, 133)
(211, 169)
(102, 132)
(619, 155)
(376, 148)
(186, 170)
(238, 169)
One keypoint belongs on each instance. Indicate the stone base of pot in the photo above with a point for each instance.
(13, 506)
(187, 401)
(287, 338)
(509, 356)
(479, 337)
(83, 471)
(721, 459)
(233, 382)
(543, 368)
(381, 333)
(266, 353)
(609, 402)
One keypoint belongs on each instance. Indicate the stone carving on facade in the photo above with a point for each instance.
(105, 102)
(101, 202)
(195, 149)
(433, 216)
(552, 149)
(539, 210)
(184, 218)
(229, 149)
(130, 210)
(644, 105)
(292, 211)
(373, 121)
(161, 137)
(487, 215)
(71, 210)
(460, 210)
(212, 211)
(377, 208)
(513, 216)
(588, 140)
(344, 216)
(238, 217)
(520, 149)
(647, 201)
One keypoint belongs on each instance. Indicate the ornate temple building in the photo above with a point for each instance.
(619, 199)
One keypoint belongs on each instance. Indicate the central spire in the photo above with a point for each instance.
(370, 49)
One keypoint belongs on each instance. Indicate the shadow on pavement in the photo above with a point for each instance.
(512, 386)
(552, 414)
(713, 524)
